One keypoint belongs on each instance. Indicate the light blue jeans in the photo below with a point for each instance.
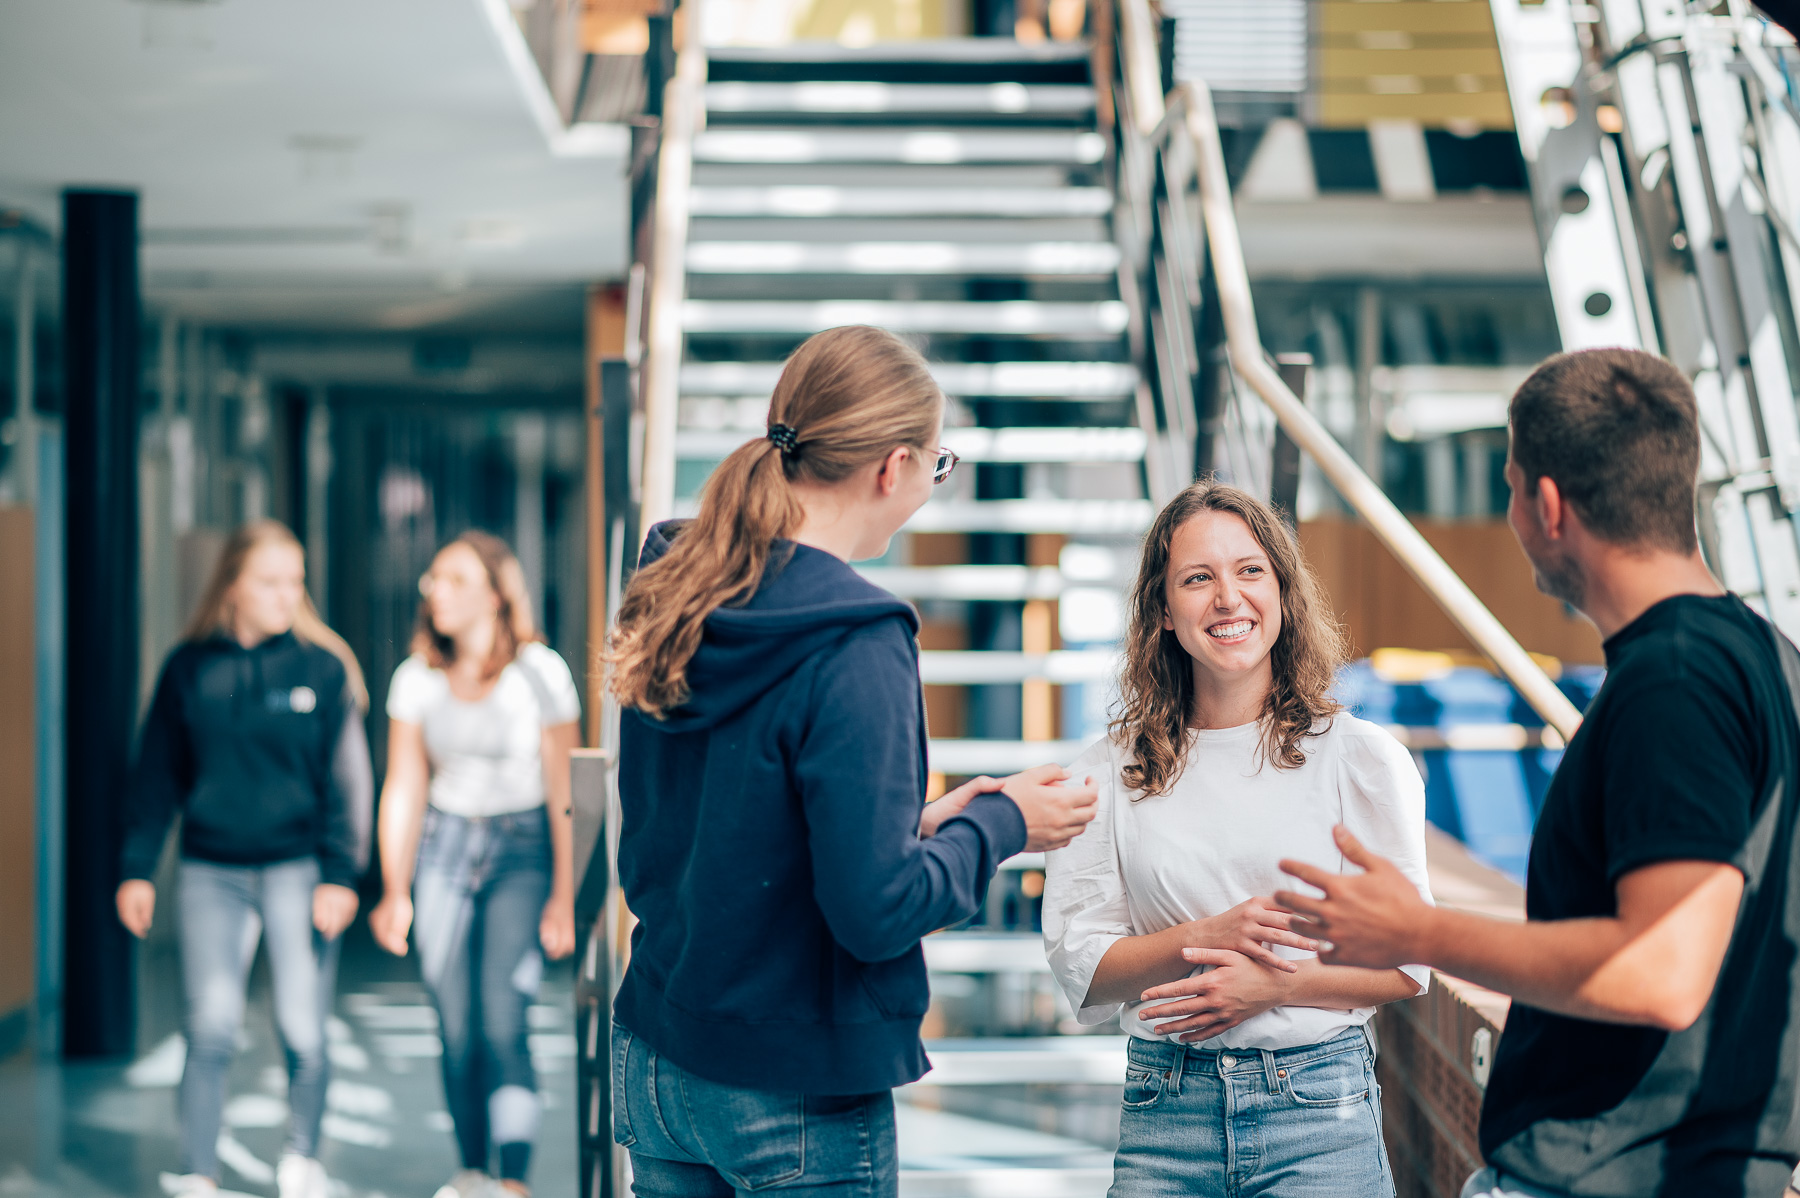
(693, 1138)
(221, 912)
(479, 891)
(1491, 1183)
(1244, 1123)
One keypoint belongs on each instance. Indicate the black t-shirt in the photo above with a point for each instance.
(1692, 738)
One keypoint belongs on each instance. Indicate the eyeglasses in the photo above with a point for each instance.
(946, 462)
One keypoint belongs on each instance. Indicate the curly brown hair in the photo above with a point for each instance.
(1156, 687)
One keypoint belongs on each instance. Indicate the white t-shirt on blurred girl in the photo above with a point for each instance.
(487, 756)
(1212, 841)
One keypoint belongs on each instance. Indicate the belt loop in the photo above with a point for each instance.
(1368, 1031)
(1268, 1060)
(1181, 1055)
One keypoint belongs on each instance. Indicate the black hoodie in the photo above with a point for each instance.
(262, 751)
(770, 847)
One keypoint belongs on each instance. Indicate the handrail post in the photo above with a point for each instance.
(1369, 501)
(683, 116)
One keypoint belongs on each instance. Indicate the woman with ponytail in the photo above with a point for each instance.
(255, 735)
(776, 845)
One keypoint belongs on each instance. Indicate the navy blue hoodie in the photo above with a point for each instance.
(770, 847)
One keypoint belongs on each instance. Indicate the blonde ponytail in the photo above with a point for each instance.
(847, 397)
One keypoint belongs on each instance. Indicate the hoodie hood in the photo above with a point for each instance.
(807, 600)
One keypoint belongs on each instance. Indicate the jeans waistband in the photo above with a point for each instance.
(1164, 1054)
(529, 820)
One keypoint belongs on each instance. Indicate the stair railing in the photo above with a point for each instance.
(684, 115)
(1187, 112)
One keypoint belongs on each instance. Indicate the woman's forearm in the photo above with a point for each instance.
(559, 742)
(1342, 987)
(398, 836)
(1136, 963)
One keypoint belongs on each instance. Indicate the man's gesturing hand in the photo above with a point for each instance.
(1054, 815)
(1375, 919)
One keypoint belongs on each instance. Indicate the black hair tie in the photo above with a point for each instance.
(786, 439)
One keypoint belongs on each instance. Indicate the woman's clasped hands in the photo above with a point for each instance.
(1246, 976)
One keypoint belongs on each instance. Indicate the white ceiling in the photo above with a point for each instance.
(332, 164)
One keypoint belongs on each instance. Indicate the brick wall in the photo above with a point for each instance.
(1430, 1096)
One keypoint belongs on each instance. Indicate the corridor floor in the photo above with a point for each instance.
(109, 1130)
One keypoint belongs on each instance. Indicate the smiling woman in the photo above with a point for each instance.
(1227, 755)
(1227, 622)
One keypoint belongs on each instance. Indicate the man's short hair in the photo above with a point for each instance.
(1618, 431)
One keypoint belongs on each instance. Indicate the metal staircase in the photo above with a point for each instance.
(1664, 153)
(956, 193)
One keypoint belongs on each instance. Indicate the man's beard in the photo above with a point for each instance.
(1560, 580)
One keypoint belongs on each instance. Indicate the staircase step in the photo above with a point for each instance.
(897, 145)
(1106, 318)
(1024, 380)
(902, 258)
(805, 200)
(1012, 444)
(991, 583)
(855, 97)
(944, 60)
(985, 952)
(998, 667)
(966, 758)
(1089, 517)
(1093, 1060)
(1021, 444)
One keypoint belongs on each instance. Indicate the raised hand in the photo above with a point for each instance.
(1249, 928)
(1054, 815)
(1373, 919)
(951, 804)
(1235, 989)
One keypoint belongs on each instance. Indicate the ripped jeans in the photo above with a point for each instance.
(479, 890)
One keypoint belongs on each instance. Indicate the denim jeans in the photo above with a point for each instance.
(693, 1138)
(221, 912)
(1491, 1183)
(479, 891)
(1298, 1123)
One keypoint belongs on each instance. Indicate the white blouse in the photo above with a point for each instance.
(486, 756)
(1212, 841)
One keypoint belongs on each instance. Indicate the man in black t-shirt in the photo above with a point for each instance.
(1653, 1046)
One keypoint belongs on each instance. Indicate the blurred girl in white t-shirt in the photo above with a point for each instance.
(475, 842)
(1250, 1067)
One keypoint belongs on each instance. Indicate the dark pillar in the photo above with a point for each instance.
(100, 430)
(1284, 455)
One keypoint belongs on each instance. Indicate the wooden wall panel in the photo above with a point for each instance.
(1384, 607)
(18, 763)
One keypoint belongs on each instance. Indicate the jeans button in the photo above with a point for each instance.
(1227, 1062)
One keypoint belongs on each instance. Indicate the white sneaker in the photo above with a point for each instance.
(299, 1176)
(189, 1185)
(466, 1183)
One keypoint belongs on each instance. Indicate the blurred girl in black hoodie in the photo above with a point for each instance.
(776, 846)
(255, 735)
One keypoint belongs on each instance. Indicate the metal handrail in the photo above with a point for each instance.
(684, 115)
(1142, 70)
